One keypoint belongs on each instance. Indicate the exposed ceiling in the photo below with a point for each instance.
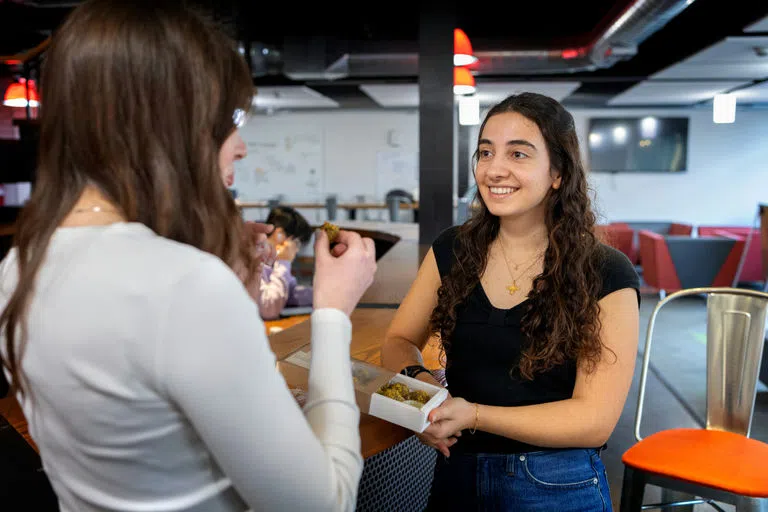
(628, 53)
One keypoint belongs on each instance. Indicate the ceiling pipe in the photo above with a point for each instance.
(619, 41)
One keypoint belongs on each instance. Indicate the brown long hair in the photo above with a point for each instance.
(561, 318)
(137, 100)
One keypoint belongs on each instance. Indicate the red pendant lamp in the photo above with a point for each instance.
(462, 49)
(16, 94)
(463, 81)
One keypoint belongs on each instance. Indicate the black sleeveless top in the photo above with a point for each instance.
(486, 345)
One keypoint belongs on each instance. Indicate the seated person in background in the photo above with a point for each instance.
(277, 287)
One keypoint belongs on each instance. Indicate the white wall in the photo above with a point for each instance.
(726, 179)
(727, 164)
(355, 144)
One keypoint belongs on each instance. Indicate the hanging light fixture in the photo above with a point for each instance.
(16, 94)
(462, 49)
(463, 81)
(724, 108)
(469, 110)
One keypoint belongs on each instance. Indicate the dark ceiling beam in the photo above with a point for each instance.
(21, 17)
(347, 96)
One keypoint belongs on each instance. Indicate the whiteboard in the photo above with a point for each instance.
(281, 162)
(396, 169)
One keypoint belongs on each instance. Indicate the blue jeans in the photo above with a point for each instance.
(559, 480)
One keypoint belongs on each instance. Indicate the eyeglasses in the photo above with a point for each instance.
(239, 117)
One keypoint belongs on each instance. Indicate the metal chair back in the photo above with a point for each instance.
(735, 339)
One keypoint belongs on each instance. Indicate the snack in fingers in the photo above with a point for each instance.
(332, 230)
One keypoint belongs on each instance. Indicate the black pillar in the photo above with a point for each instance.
(463, 159)
(436, 119)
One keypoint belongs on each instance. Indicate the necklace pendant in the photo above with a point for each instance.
(512, 288)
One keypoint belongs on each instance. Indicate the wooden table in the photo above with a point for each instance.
(275, 326)
(7, 229)
(397, 269)
(368, 329)
(395, 274)
(369, 326)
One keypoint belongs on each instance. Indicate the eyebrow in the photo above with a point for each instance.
(514, 142)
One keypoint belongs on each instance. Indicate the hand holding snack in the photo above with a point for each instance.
(342, 275)
(332, 230)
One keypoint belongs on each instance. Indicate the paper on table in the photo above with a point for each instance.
(368, 379)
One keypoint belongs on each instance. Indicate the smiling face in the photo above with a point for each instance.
(513, 170)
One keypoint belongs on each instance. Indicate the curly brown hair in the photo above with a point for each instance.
(561, 316)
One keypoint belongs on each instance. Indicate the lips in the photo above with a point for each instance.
(229, 180)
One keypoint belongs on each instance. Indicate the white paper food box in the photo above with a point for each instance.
(368, 379)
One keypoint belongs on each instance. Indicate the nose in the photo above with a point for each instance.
(241, 150)
(496, 170)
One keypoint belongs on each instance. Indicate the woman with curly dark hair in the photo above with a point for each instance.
(537, 320)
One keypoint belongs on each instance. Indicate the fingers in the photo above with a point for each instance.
(370, 247)
(260, 227)
(348, 238)
(442, 445)
(321, 243)
(338, 250)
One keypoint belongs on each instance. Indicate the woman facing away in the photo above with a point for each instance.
(141, 363)
(538, 322)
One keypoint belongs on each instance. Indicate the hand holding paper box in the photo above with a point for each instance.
(379, 392)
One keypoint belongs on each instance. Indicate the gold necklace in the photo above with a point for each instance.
(512, 288)
(94, 209)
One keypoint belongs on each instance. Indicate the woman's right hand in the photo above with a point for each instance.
(342, 276)
(441, 445)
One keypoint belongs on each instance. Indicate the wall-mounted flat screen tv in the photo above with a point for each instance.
(638, 144)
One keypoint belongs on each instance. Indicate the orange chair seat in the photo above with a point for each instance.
(721, 460)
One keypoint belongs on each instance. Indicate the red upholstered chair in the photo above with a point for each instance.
(662, 228)
(680, 229)
(619, 237)
(658, 269)
(634, 250)
(672, 263)
(752, 268)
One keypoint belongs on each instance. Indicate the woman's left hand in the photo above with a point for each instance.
(257, 233)
(452, 416)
